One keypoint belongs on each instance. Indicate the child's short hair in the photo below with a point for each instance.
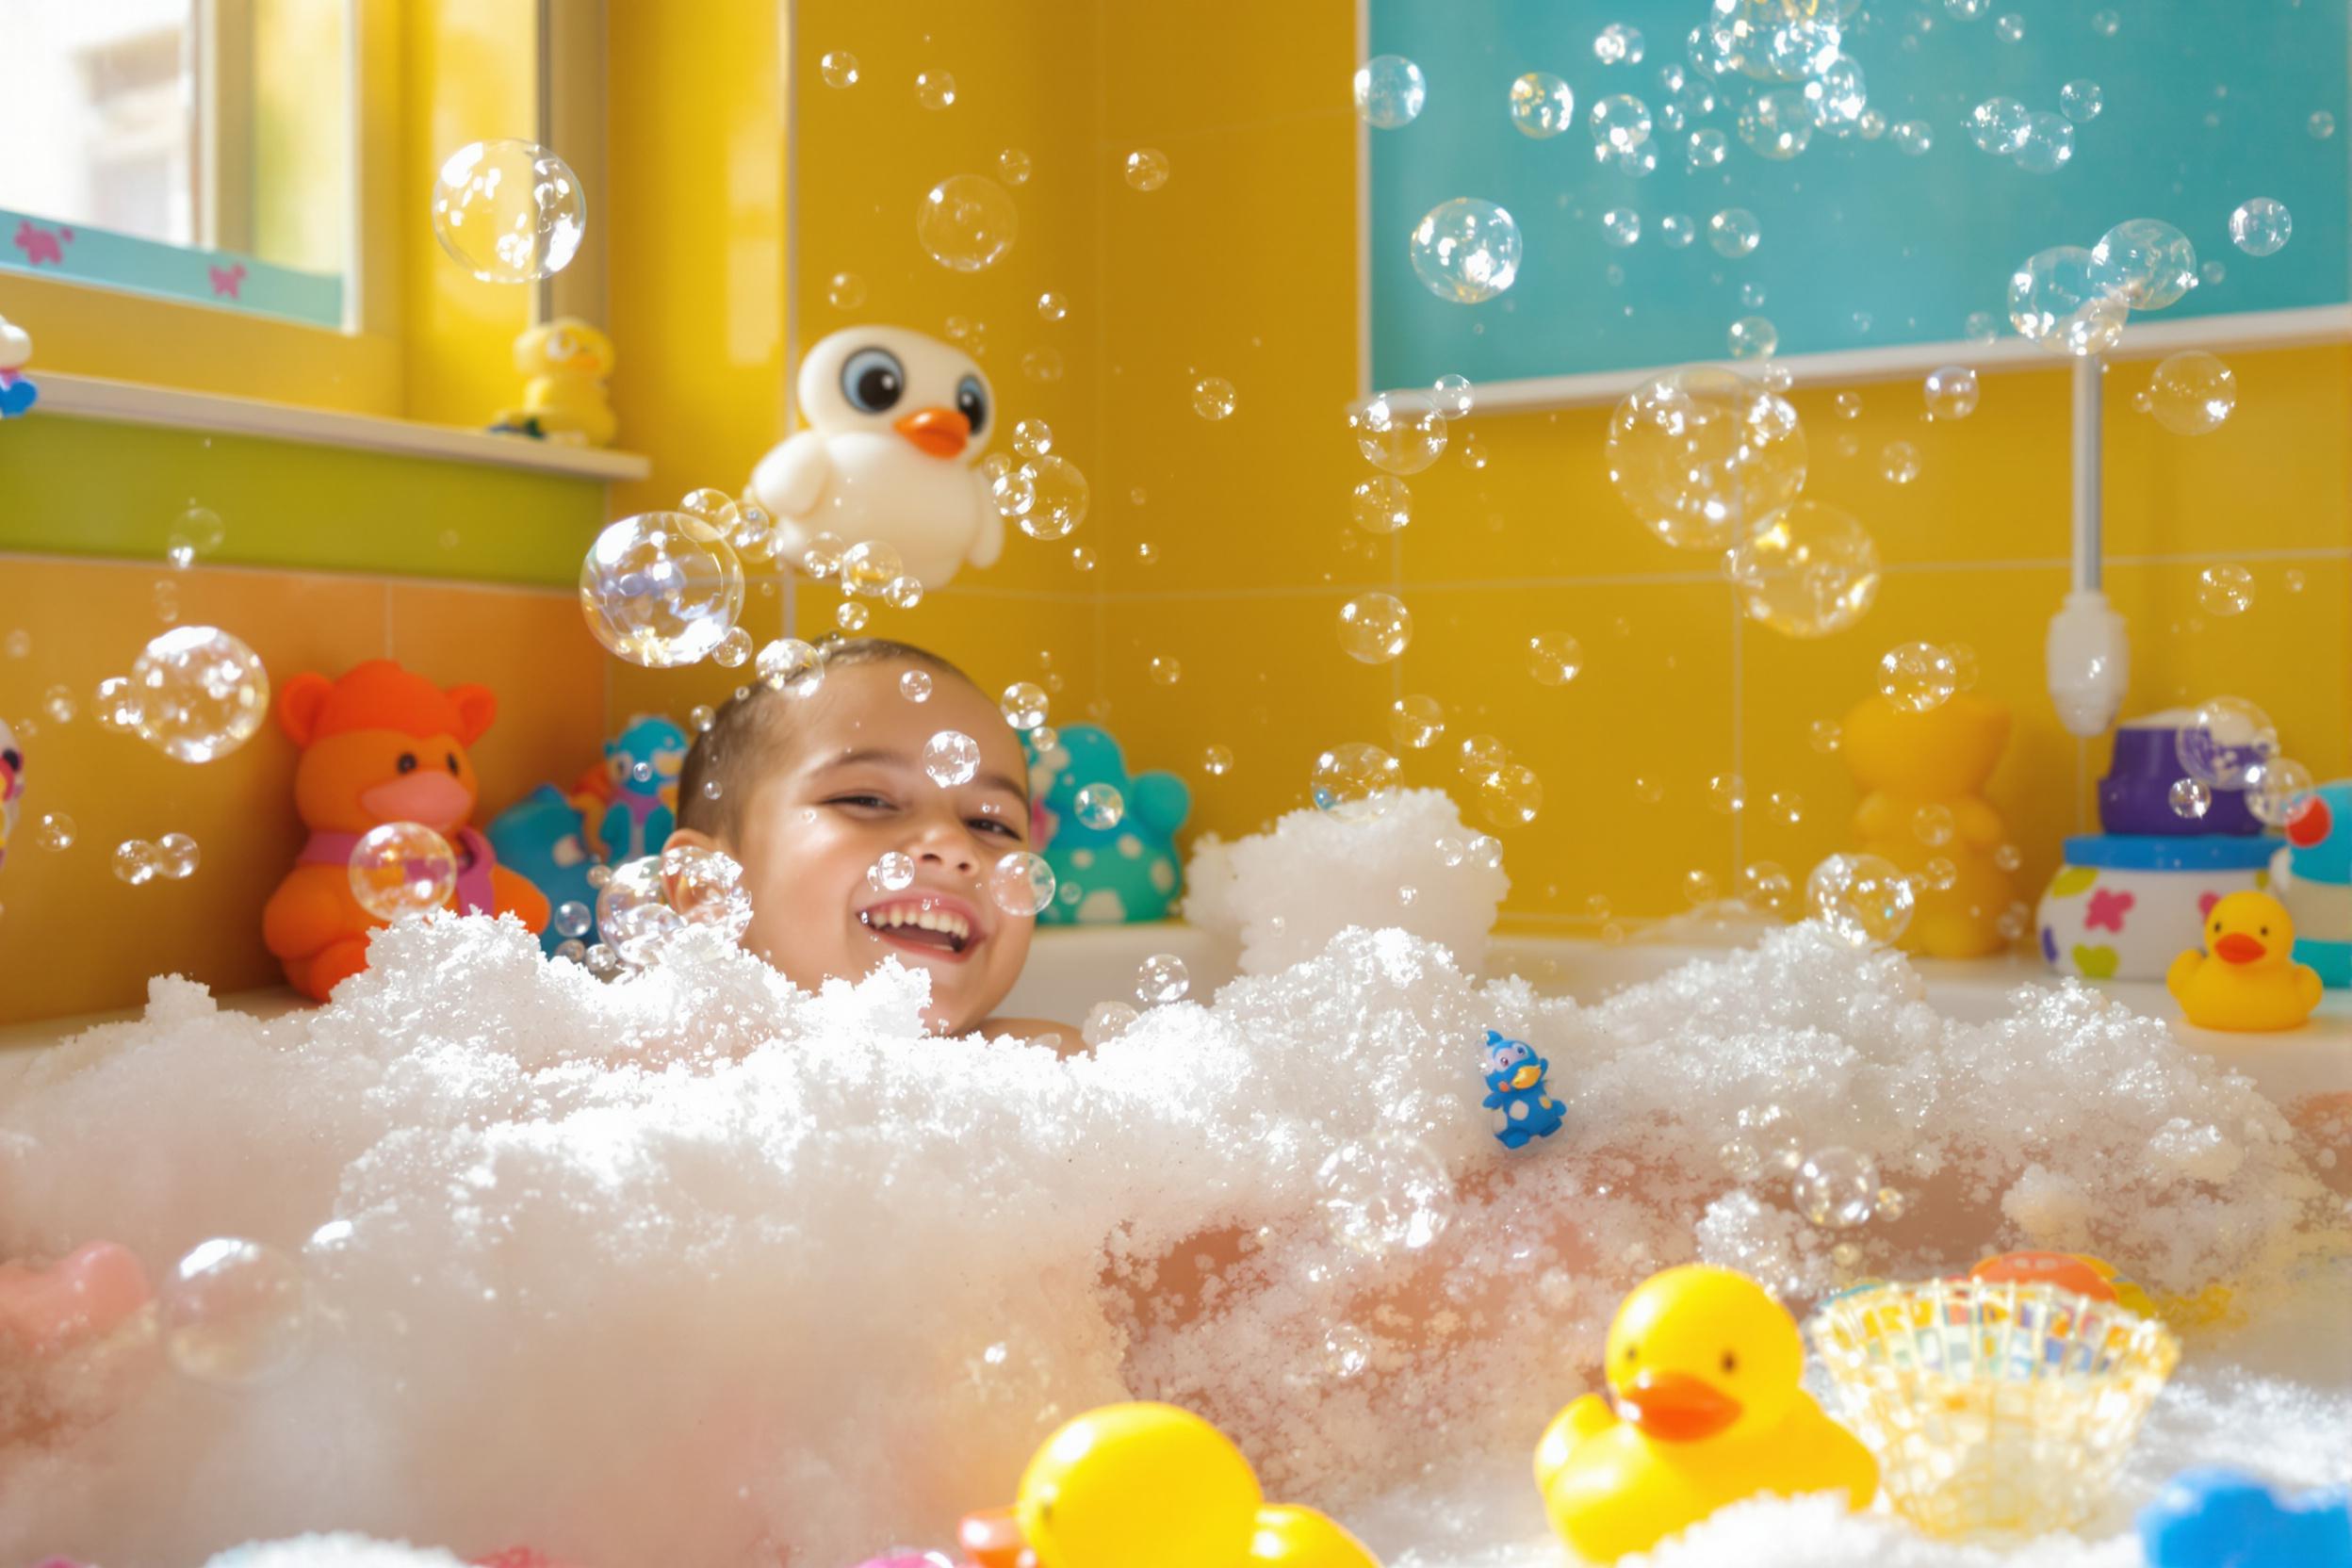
(751, 734)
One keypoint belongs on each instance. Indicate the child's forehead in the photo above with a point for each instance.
(864, 709)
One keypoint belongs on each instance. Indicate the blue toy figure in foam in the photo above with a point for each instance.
(1522, 1101)
(2312, 877)
(1124, 872)
(642, 761)
(542, 836)
(2222, 1519)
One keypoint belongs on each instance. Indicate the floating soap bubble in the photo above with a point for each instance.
(1763, 885)
(1389, 91)
(1107, 1021)
(1162, 979)
(1950, 391)
(1752, 294)
(661, 588)
(1401, 432)
(1510, 795)
(2261, 227)
(1554, 658)
(1041, 364)
(1836, 95)
(2211, 274)
(791, 667)
(1453, 396)
(891, 872)
(934, 89)
(705, 886)
(2056, 299)
(1981, 327)
(1416, 722)
(1915, 137)
(1217, 762)
(1023, 705)
(1165, 671)
(57, 831)
(1998, 125)
(402, 870)
(1752, 337)
(950, 757)
(177, 857)
(1917, 676)
(1100, 805)
(1706, 148)
(1465, 249)
(196, 692)
(1618, 44)
(1542, 105)
(1384, 1195)
(508, 211)
(236, 1313)
(2080, 100)
(1699, 455)
(574, 918)
(845, 291)
(1382, 504)
(1480, 755)
(1058, 494)
(633, 913)
(1677, 229)
(1021, 884)
(2190, 798)
(1621, 226)
(2224, 740)
(734, 648)
(1864, 899)
(1899, 462)
(1373, 627)
(1146, 168)
(838, 67)
(1777, 125)
(1620, 123)
(1734, 233)
(869, 566)
(967, 221)
(821, 557)
(2227, 589)
(2321, 125)
(1809, 570)
(1355, 782)
(1825, 736)
(2276, 789)
(2009, 27)
(1213, 398)
(902, 592)
(2048, 145)
(2190, 393)
(1837, 1188)
(2145, 262)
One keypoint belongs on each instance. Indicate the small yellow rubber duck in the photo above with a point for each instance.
(563, 402)
(1704, 1367)
(2246, 978)
(1138, 1486)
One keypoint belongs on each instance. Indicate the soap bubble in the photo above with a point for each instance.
(902, 592)
(1217, 762)
(633, 913)
(2081, 100)
(1382, 504)
(1862, 898)
(1481, 754)
(1510, 795)
(1618, 44)
(1811, 569)
(1107, 1021)
(1384, 1195)
(1542, 105)
(574, 918)
(845, 291)
(891, 872)
(116, 705)
(2190, 798)
(1389, 91)
(967, 221)
(1416, 721)
(2321, 125)
(178, 856)
(1023, 705)
(1677, 229)
(1620, 123)
(1733, 232)
(2226, 589)
(1213, 398)
(1453, 396)
(1752, 337)
(1917, 676)
(1777, 125)
(56, 832)
(1916, 137)
(1951, 392)
(2145, 262)
(2274, 789)
(1165, 671)
(1554, 658)
(839, 67)
(198, 694)
(734, 650)
(1933, 826)
(1699, 455)
(1147, 169)
(2261, 227)
(661, 588)
(1355, 782)
(400, 870)
(2224, 740)
(934, 89)
(508, 211)
(236, 1313)
(1058, 494)
(791, 667)
(1706, 148)
(1400, 432)
(1837, 1188)
(1162, 979)
(1100, 805)
(2191, 393)
(2049, 143)
(915, 686)
(950, 757)
(1981, 327)
(1621, 226)
(1836, 95)
(1373, 627)
(2056, 299)
(1998, 125)
(1899, 462)
(1021, 884)
(704, 886)
(1466, 250)
(2010, 27)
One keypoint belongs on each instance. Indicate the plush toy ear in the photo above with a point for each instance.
(1161, 801)
(475, 706)
(300, 703)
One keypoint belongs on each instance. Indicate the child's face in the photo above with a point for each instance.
(851, 789)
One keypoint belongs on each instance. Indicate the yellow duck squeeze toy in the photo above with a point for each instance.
(563, 402)
(1923, 776)
(1704, 1368)
(2246, 978)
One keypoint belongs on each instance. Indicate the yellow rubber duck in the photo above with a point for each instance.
(2246, 978)
(1704, 1367)
(1138, 1486)
(563, 402)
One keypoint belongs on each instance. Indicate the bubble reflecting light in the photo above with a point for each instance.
(508, 210)
(967, 221)
(1355, 782)
(661, 588)
(1465, 249)
(197, 693)
(1702, 454)
(236, 1313)
(1810, 570)
(2056, 299)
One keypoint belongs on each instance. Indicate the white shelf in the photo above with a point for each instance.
(131, 404)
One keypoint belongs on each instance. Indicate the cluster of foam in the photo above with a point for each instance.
(1286, 893)
(696, 1268)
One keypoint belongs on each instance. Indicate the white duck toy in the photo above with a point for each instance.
(897, 420)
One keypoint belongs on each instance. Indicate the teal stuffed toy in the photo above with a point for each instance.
(1124, 870)
(543, 837)
(643, 762)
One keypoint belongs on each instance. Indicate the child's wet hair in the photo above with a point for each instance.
(752, 732)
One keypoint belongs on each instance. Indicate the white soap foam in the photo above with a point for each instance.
(695, 1267)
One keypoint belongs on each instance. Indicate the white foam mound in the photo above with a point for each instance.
(1286, 894)
(698, 1269)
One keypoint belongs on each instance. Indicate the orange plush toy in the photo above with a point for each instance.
(379, 745)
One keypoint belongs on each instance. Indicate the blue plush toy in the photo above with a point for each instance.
(1126, 870)
(2311, 874)
(2222, 1519)
(1523, 1105)
(542, 835)
(643, 762)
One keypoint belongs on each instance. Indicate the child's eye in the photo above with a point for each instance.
(869, 802)
(994, 824)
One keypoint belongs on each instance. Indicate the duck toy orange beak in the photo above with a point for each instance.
(1676, 1407)
(2238, 948)
(936, 432)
